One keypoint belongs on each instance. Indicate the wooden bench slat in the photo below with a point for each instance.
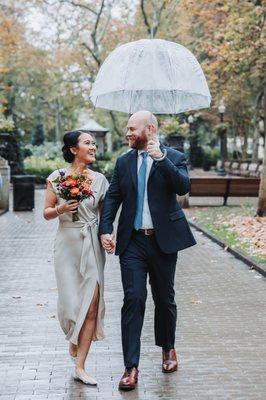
(224, 187)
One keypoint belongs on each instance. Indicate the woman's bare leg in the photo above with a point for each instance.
(73, 349)
(87, 331)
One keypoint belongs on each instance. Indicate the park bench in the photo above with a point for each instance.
(224, 187)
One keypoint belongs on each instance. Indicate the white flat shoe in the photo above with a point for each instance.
(85, 378)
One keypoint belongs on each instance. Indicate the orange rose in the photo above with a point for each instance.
(70, 181)
(74, 191)
(85, 186)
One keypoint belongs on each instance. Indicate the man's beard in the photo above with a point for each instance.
(140, 142)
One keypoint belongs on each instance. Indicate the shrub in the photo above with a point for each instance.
(6, 124)
(105, 167)
(42, 167)
(47, 151)
(211, 155)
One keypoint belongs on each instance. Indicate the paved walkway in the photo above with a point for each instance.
(220, 334)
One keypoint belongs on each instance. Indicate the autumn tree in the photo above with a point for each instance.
(227, 38)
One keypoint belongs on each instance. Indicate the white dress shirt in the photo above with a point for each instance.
(146, 216)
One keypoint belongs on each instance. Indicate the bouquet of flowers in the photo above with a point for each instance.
(75, 187)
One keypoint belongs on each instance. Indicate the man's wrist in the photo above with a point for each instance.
(164, 154)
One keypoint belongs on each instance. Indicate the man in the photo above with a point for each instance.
(152, 228)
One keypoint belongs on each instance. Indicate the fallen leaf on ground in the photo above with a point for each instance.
(196, 301)
(250, 231)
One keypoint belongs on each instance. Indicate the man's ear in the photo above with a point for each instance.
(152, 128)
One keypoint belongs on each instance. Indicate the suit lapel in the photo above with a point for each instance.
(133, 166)
(133, 157)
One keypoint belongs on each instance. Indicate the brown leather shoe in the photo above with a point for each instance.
(129, 379)
(170, 363)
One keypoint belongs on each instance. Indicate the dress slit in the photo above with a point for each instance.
(97, 334)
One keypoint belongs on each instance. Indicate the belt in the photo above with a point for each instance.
(90, 244)
(147, 232)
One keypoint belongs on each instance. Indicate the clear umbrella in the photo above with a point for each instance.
(153, 74)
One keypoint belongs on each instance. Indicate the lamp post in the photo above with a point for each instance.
(190, 122)
(223, 141)
(221, 110)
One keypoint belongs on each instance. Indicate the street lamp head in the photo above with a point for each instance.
(190, 119)
(261, 126)
(221, 108)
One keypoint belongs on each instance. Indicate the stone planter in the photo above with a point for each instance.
(5, 181)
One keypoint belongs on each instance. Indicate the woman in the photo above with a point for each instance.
(79, 258)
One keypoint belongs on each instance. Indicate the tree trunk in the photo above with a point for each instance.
(245, 145)
(255, 150)
(261, 210)
(58, 124)
(115, 123)
(256, 134)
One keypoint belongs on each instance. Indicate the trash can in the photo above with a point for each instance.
(23, 192)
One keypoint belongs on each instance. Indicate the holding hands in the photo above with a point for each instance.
(108, 242)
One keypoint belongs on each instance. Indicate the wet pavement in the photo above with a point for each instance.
(220, 331)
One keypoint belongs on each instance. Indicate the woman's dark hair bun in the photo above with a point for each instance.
(70, 140)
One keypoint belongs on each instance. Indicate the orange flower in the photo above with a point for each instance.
(70, 181)
(74, 191)
(85, 186)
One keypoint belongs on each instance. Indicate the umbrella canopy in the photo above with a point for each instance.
(153, 74)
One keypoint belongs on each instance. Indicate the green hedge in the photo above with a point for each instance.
(41, 167)
(41, 164)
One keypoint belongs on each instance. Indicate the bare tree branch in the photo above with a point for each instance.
(152, 29)
(92, 52)
(80, 5)
(94, 32)
(146, 22)
(102, 33)
(158, 16)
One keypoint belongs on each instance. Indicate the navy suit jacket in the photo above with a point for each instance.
(166, 179)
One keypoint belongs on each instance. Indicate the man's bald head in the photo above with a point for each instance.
(141, 127)
(146, 118)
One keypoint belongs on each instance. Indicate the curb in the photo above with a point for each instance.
(3, 212)
(237, 253)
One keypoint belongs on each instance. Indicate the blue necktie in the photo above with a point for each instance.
(141, 191)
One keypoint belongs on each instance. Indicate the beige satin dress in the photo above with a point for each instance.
(79, 262)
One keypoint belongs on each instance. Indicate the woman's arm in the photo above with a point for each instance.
(51, 209)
